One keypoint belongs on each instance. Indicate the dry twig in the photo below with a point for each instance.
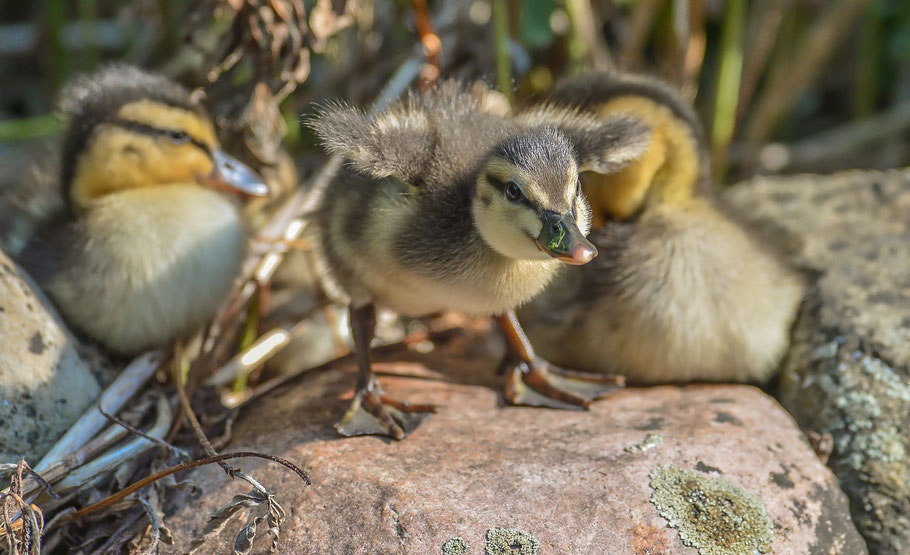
(122, 494)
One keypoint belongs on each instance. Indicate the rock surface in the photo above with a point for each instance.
(848, 370)
(44, 383)
(481, 478)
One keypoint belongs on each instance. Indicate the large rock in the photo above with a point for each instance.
(848, 371)
(724, 466)
(44, 383)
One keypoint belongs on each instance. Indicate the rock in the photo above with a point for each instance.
(478, 477)
(848, 370)
(45, 385)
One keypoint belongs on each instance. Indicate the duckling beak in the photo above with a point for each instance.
(232, 175)
(561, 238)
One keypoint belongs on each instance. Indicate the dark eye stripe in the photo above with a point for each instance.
(496, 182)
(500, 186)
(146, 129)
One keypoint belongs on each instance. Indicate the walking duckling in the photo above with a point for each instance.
(145, 246)
(681, 290)
(441, 205)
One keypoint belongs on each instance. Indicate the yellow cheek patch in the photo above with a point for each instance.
(666, 173)
(162, 116)
(528, 222)
(117, 159)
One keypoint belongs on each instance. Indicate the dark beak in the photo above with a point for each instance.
(561, 238)
(234, 176)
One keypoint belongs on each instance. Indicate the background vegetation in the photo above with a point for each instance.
(782, 85)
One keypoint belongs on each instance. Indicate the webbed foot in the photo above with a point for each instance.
(535, 382)
(372, 413)
(541, 384)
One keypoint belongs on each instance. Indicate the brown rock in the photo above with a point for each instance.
(44, 383)
(848, 370)
(481, 478)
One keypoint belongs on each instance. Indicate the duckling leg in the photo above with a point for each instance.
(535, 382)
(371, 412)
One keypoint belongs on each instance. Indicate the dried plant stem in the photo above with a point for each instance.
(216, 459)
(430, 41)
(585, 22)
(789, 80)
(761, 42)
(261, 351)
(135, 431)
(728, 79)
(440, 336)
(820, 151)
(130, 380)
(180, 371)
(60, 469)
(867, 81)
(503, 56)
(642, 21)
(673, 67)
(694, 55)
(119, 454)
(80, 441)
(248, 337)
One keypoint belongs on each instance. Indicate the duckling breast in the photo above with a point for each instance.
(151, 264)
(417, 253)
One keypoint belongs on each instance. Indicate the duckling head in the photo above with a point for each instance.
(528, 202)
(129, 129)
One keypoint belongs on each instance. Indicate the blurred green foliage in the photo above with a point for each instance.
(758, 71)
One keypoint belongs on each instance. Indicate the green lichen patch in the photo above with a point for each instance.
(510, 541)
(454, 546)
(650, 440)
(711, 514)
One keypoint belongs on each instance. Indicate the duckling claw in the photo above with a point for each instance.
(371, 413)
(541, 384)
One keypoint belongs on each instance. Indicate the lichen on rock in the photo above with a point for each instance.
(712, 515)
(847, 372)
(45, 382)
(650, 440)
(511, 541)
(455, 546)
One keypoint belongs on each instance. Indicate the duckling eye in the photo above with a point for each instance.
(177, 136)
(513, 191)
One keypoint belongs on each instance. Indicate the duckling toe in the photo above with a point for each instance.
(541, 384)
(372, 413)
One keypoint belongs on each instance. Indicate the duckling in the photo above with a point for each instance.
(443, 205)
(682, 291)
(145, 245)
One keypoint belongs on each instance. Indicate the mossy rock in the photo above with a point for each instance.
(848, 370)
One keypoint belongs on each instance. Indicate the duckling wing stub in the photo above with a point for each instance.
(396, 143)
(602, 145)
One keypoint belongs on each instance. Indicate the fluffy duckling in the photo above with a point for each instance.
(146, 245)
(442, 205)
(681, 290)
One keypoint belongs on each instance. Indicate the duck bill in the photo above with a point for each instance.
(562, 239)
(232, 175)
